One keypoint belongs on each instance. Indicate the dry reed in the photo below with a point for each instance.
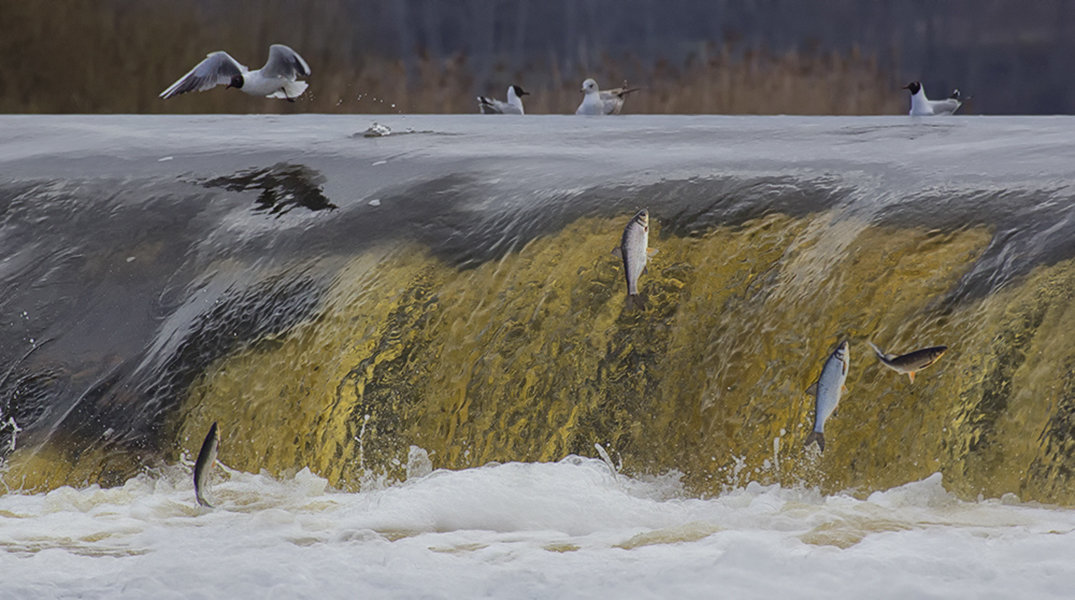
(75, 57)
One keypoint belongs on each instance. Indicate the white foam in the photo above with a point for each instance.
(569, 529)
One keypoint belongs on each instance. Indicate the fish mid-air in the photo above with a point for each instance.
(598, 102)
(514, 105)
(204, 464)
(277, 79)
(912, 361)
(924, 107)
(635, 251)
(827, 390)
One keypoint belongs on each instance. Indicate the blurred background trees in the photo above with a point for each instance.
(434, 56)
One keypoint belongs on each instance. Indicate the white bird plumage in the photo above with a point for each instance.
(923, 107)
(277, 79)
(597, 102)
(514, 105)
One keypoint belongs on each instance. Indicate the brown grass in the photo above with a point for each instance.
(77, 57)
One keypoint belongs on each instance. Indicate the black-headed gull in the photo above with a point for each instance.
(277, 79)
(514, 105)
(922, 106)
(597, 102)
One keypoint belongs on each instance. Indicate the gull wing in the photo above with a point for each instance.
(946, 106)
(217, 68)
(492, 106)
(611, 103)
(613, 99)
(489, 106)
(285, 62)
(619, 92)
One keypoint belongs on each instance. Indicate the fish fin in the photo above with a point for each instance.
(911, 375)
(812, 389)
(650, 252)
(645, 269)
(843, 389)
(635, 302)
(617, 252)
(816, 436)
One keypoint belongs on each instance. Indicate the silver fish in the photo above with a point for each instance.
(205, 462)
(827, 390)
(635, 252)
(912, 361)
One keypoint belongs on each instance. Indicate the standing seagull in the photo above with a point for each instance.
(277, 79)
(514, 105)
(596, 102)
(922, 106)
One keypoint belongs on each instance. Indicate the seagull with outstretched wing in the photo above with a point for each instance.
(277, 79)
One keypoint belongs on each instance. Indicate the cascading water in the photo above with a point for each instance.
(334, 300)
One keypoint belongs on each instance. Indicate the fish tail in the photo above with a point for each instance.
(816, 436)
(202, 501)
(880, 353)
(635, 302)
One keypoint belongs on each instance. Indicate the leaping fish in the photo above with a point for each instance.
(827, 390)
(206, 460)
(912, 361)
(635, 251)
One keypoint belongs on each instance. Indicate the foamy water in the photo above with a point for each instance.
(525, 530)
(164, 272)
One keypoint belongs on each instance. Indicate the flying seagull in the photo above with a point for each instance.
(277, 79)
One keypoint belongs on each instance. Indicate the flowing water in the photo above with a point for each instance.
(415, 340)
